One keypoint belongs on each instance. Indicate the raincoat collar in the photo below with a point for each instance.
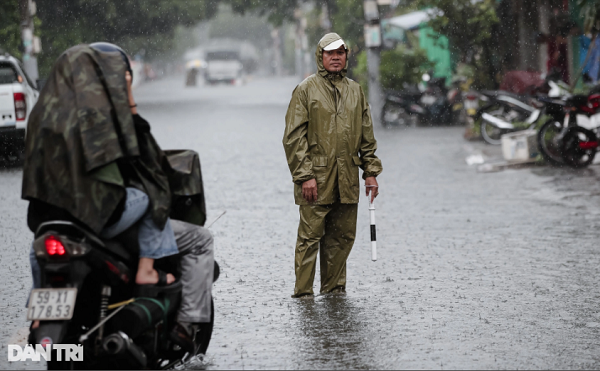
(326, 40)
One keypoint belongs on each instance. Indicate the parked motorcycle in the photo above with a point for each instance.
(87, 297)
(401, 108)
(498, 113)
(437, 103)
(502, 108)
(573, 112)
(578, 145)
(433, 105)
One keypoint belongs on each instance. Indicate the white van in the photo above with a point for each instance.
(18, 95)
(223, 66)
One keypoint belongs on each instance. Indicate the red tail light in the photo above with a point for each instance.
(594, 100)
(588, 145)
(20, 106)
(471, 97)
(54, 246)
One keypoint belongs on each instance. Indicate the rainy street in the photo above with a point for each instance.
(475, 270)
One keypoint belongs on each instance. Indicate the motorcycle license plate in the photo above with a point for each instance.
(51, 304)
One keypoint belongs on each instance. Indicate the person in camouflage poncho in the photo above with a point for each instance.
(79, 130)
(79, 127)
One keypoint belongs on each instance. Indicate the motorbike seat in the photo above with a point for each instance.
(125, 245)
(496, 93)
(69, 228)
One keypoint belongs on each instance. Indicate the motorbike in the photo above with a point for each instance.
(432, 105)
(401, 108)
(498, 113)
(88, 296)
(575, 145)
(502, 108)
(438, 103)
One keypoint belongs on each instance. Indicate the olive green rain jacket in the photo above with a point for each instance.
(81, 125)
(329, 134)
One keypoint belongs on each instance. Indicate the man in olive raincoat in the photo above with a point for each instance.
(328, 136)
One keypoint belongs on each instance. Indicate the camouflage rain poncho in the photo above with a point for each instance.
(79, 127)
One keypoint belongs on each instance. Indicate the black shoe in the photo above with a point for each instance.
(182, 337)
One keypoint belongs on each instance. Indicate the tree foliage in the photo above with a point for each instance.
(151, 23)
(10, 28)
(277, 11)
(10, 33)
(346, 17)
(399, 67)
(469, 26)
(227, 24)
(403, 65)
(590, 10)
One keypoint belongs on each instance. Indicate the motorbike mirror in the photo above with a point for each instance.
(426, 77)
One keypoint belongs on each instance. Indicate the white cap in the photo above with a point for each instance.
(335, 45)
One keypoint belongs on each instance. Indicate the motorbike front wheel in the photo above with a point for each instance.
(491, 134)
(549, 140)
(574, 153)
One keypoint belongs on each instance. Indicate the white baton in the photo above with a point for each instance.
(373, 230)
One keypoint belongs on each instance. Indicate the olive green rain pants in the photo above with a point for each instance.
(333, 227)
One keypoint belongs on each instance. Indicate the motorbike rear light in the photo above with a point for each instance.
(54, 246)
(594, 100)
(471, 97)
(20, 106)
(588, 145)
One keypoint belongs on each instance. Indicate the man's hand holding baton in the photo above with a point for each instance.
(372, 192)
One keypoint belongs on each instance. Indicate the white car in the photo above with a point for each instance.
(223, 66)
(18, 95)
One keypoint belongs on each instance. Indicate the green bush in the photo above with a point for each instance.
(398, 66)
(360, 71)
(403, 65)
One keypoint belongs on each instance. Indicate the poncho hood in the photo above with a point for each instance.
(326, 40)
(79, 126)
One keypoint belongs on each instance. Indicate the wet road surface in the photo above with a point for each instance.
(496, 270)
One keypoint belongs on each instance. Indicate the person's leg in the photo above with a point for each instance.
(196, 248)
(336, 244)
(136, 205)
(36, 273)
(310, 231)
(154, 244)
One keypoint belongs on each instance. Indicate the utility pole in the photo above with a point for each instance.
(303, 61)
(299, 41)
(277, 45)
(373, 43)
(31, 43)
